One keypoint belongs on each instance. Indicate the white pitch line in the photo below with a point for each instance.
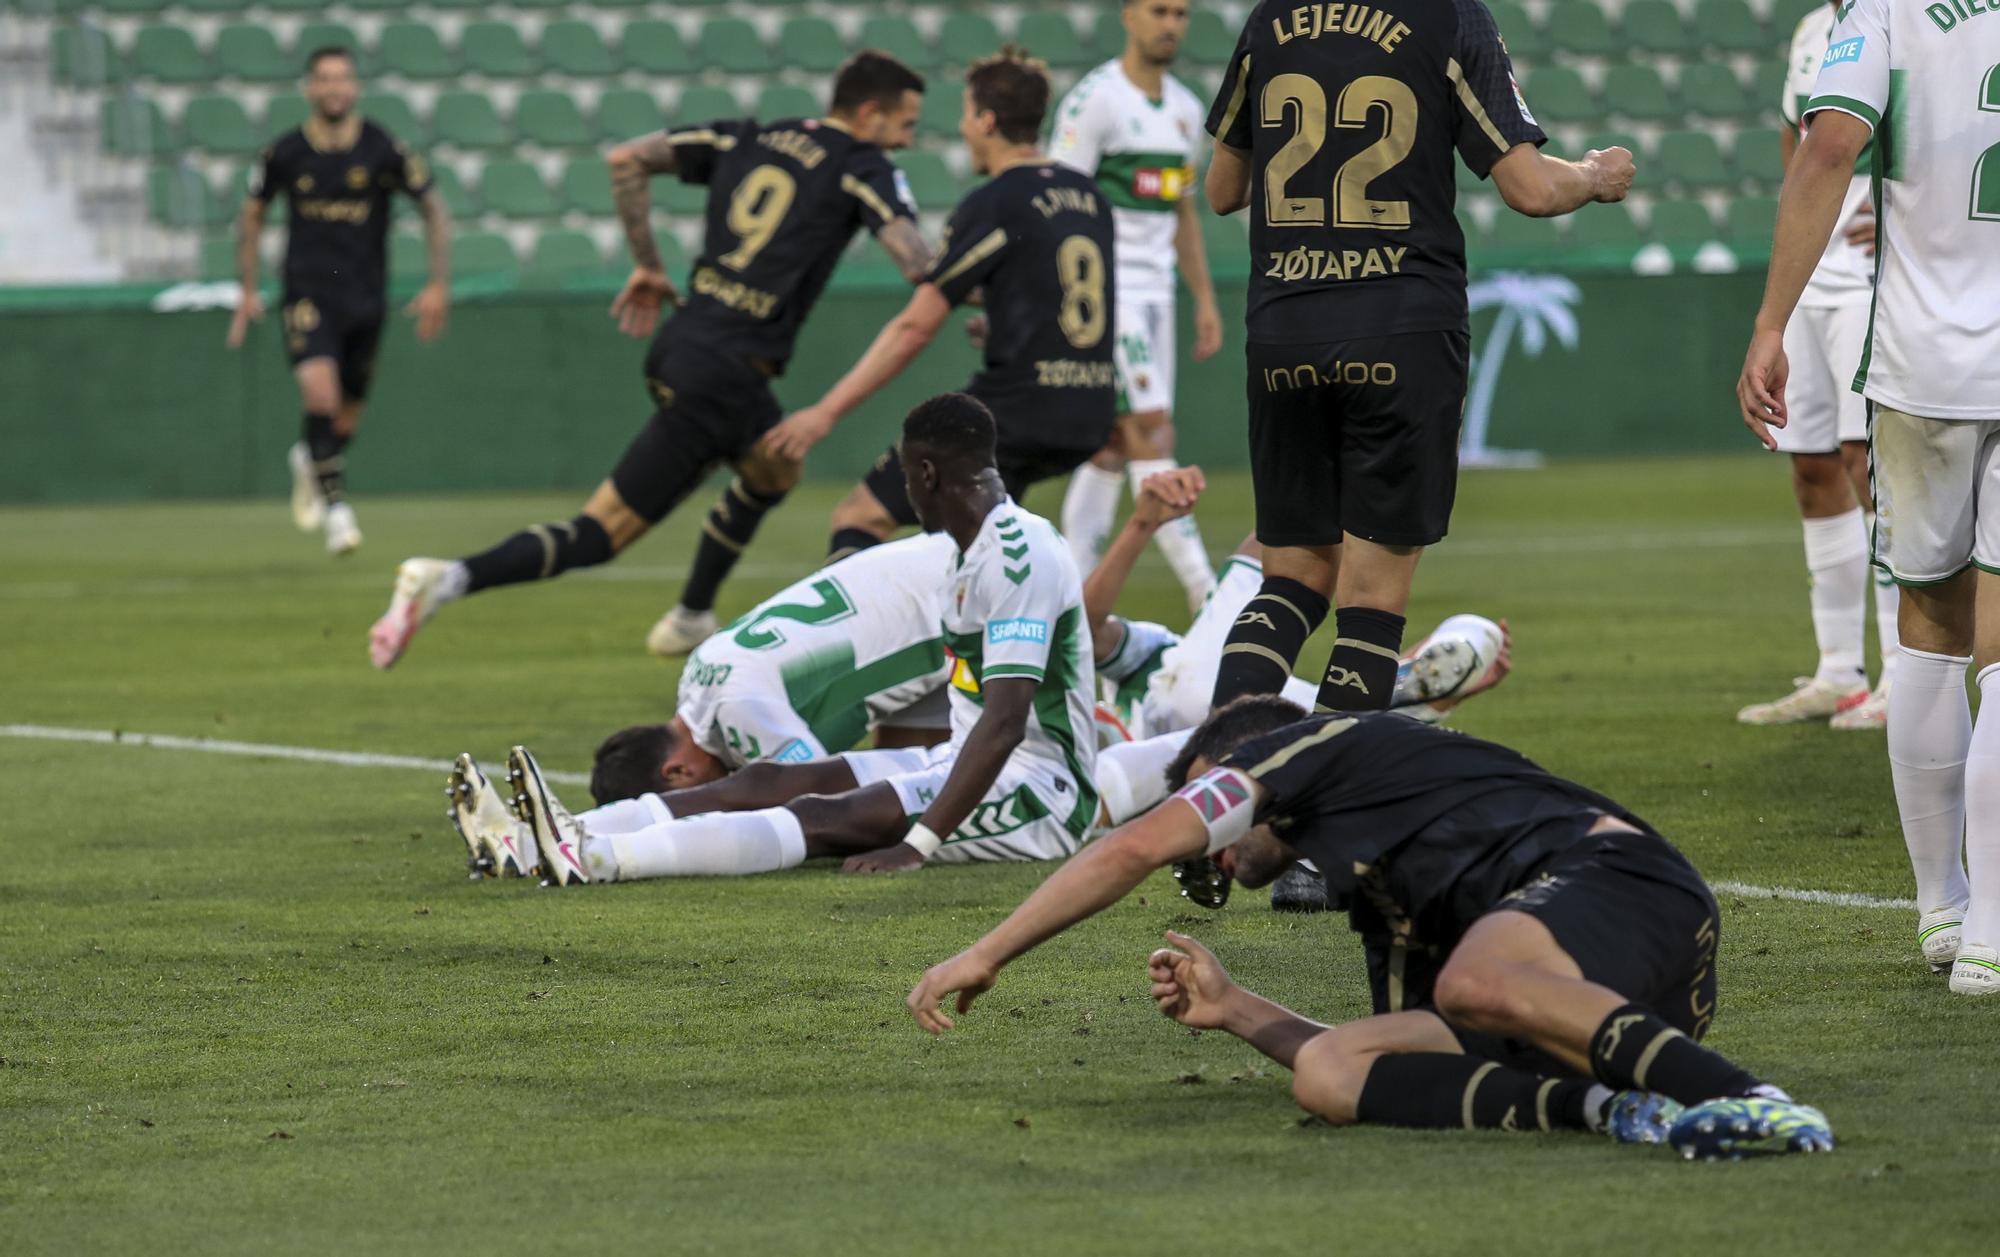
(370, 759)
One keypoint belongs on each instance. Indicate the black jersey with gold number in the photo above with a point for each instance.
(784, 200)
(337, 249)
(1351, 113)
(1037, 241)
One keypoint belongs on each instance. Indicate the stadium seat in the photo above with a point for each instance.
(228, 8)
(586, 187)
(621, 4)
(287, 110)
(1605, 235)
(1107, 38)
(408, 258)
(514, 189)
(293, 6)
(1579, 26)
(496, 50)
(1052, 37)
(132, 8)
(217, 124)
(1730, 26)
(482, 253)
(559, 255)
(459, 199)
(733, 45)
(625, 113)
(168, 54)
(1637, 92)
(1519, 234)
(785, 100)
(468, 120)
(967, 36)
(687, 201)
(1712, 90)
(413, 50)
(1756, 157)
(378, 6)
(1767, 91)
(1617, 139)
(1655, 26)
(1226, 239)
(811, 43)
(1692, 159)
(393, 113)
(84, 56)
(1523, 38)
(177, 196)
(1682, 226)
(132, 126)
(575, 48)
(316, 35)
(705, 104)
(551, 5)
(1751, 221)
(898, 37)
(551, 119)
(651, 46)
(931, 181)
(251, 54)
(218, 258)
(1209, 39)
(1558, 94)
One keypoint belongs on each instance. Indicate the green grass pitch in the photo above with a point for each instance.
(252, 1006)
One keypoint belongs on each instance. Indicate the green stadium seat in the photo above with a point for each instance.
(459, 199)
(1751, 221)
(1226, 239)
(468, 120)
(482, 253)
(1767, 90)
(218, 258)
(393, 112)
(1730, 26)
(1107, 38)
(621, 4)
(705, 104)
(586, 187)
(898, 37)
(575, 48)
(1519, 237)
(784, 100)
(551, 119)
(413, 50)
(1605, 235)
(1755, 156)
(1579, 26)
(931, 181)
(250, 53)
(316, 35)
(132, 8)
(1637, 92)
(177, 196)
(733, 45)
(408, 258)
(1656, 26)
(1559, 94)
(550, 5)
(1692, 159)
(1683, 226)
(1616, 139)
(217, 124)
(1052, 37)
(481, 5)
(84, 56)
(294, 6)
(625, 113)
(811, 43)
(132, 126)
(680, 200)
(967, 36)
(228, 8)
(1524, 40)
(168, 54)
(559, 255)
(514, 189)
(379, 6)
(285, 111)
(1209, 38)
(496, 50)
(655, 47)
(1712, 90)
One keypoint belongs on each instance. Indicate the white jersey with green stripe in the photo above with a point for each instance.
(1141, 151)
(1845, 275)
(803, 673)
(1013, 607)
(1926, 78)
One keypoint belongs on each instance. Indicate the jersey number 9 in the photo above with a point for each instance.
(1080, 269)
(1300, 94)
(756, 208)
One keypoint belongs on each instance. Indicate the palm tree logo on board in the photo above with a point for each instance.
(1532, 309)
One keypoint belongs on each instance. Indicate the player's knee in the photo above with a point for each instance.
(1477, 995)
(1327, 1076)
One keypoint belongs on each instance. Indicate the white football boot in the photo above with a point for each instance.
(343, 532)
(557, 835)
(419, 593)
(1940, 932)
(1976, 971)
(1814, 699)
(1465, 655)
(1872, 713)
(679, 632)
(308, 506)
(497, 843)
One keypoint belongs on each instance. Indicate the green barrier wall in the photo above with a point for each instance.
(128, 393)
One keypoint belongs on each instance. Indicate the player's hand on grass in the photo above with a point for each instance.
(1860, 229)
(900, 858)
(793, 438)
(1207, 331)
(250, 309)
(1189, 983)
(637, 305)
(429, 308)
(1760, 390)
(1168, 495)
(965, 974)
(1611, 170)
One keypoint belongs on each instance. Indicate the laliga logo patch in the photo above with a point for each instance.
(1521, 102)
(1016, 631)
(1845, 50)
(903, 189)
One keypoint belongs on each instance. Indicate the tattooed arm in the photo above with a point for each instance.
(633, 165)
(901, 240)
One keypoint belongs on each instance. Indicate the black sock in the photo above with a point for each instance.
(1266, 639)
(1439, 1091)
(538, 553)
(730, 526)
(327, 448)
(846, 541)
(1636, 1049)
(1367, 647)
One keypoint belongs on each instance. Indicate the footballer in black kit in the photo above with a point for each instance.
(338, 173)
(1034, 245)
(784, 200)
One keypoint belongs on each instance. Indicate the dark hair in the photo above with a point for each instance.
(956, 429)
(627, 765)
(873, 76)
(1014, 87)
(1230, 726)
(320, 54)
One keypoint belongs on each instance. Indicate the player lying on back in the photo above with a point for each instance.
(1013, 783)
(1541, 958)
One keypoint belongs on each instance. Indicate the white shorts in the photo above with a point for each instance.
(1824, 347)
(1026, 814)
(1145, 356)
(1177, 696)
(1930, 476)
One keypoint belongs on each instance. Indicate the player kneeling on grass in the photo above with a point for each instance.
(1541, 959)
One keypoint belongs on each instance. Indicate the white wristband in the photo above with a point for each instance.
(923, 840)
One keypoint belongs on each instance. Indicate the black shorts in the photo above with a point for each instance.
(1357, 437)
(709, 408)
(1022, 460)
(317, 328)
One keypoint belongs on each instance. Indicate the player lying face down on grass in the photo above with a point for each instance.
(1540, 958)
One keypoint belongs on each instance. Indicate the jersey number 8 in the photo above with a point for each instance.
(1080, 269)
(1357, 104)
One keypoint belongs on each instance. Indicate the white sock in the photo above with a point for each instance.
(717, 844)
(1179, 541)
(1930, 730)
(1837, 558)
(1982, 813)
(1887, 600)
(456, 577)
(1087, 510)
(626, 816)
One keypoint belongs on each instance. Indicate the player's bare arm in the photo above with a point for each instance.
(1163, 498)
(433, 301)
(906, 246)
(1816, 182)
(1191, 986)
(250, 304)
(895, 347)
(1228, 182)
(1540, 186)
(633, 165)
(1191, 254)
